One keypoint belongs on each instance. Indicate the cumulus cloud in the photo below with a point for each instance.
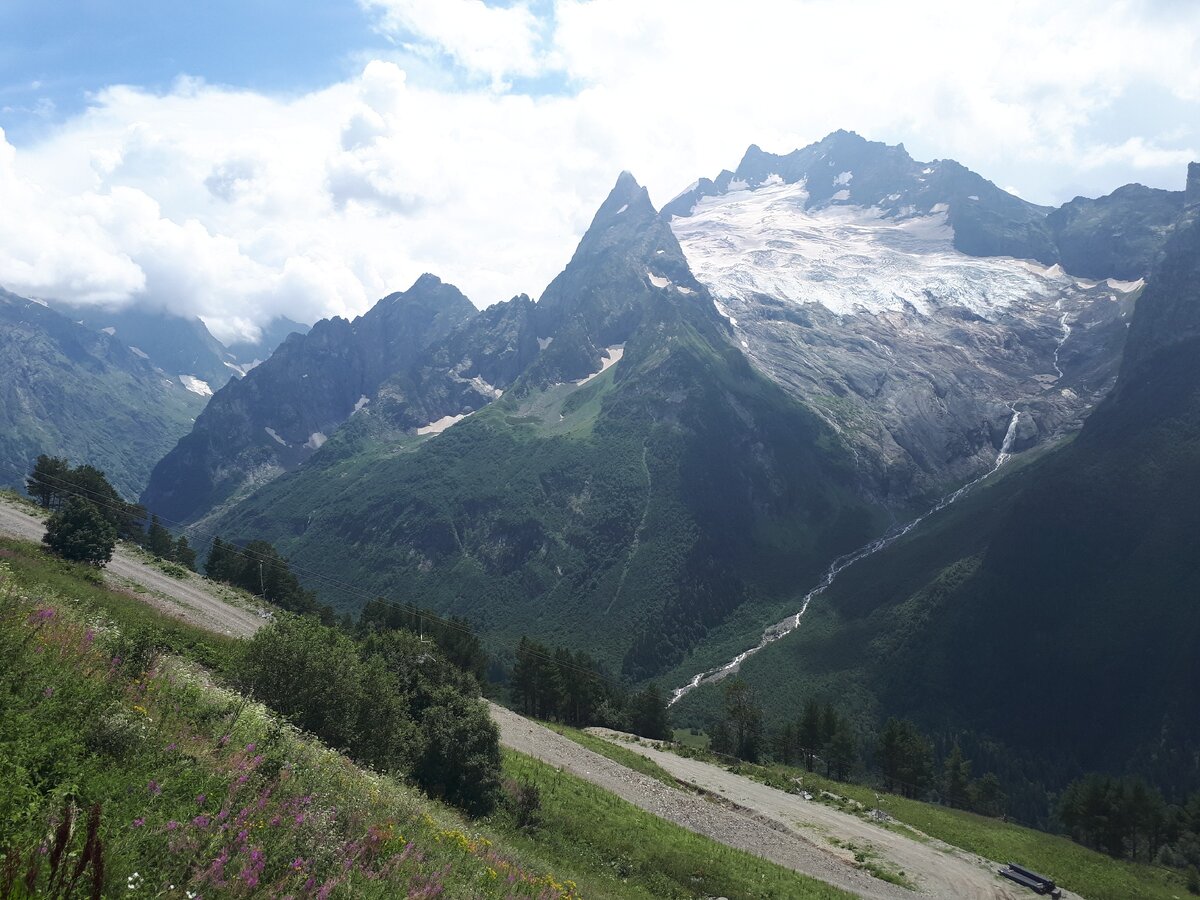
(499, 42)
(240, 206)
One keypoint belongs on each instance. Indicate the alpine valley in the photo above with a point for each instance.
(780, 381)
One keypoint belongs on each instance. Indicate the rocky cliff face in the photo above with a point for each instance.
(284, 410)
(1171, 313)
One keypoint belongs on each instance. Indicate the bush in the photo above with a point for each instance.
(525, 800)
(461, 758)
(369, 699)
(80, 533)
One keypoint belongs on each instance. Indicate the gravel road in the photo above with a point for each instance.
(937, 869)
(709, 817)
(191, 598)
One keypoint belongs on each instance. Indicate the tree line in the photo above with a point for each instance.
(571, 687)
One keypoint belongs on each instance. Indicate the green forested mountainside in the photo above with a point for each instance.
(69, 391)
(1049, 621)
(628, 515)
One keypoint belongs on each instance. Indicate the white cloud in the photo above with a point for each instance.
(1138, 153)
(499, 42)
(240, 206)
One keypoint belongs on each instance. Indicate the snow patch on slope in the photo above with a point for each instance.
(195, 385)
(315, 440)
(849, 259)
(277, 438)
(437, 427)
(612, 355)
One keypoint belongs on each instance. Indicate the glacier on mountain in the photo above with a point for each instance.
(849, 259)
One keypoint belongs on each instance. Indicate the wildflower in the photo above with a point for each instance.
(250, 748)
(48, 692)
(201, 821)
(138, 823)
(45, 614)
(171, 746)
(200, 798)
(153, 788)
(299, 818)
(88, 637)
(172, 825)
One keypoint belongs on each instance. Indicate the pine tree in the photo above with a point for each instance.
(744, 717)
(158, 540)
(222, 562)
(809, 733)
(841, 753)
(184, 554)
(956, 779)
(46, 483)
(648, 715)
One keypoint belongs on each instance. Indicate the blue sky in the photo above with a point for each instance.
(55, 53)
(322, 155)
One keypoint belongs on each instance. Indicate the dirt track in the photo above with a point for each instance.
(937, 869)
(692, 811)
(190, 598)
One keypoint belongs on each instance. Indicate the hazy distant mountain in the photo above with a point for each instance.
(70, 391)
(273, 334)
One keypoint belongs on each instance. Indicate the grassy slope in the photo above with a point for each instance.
(160, 748)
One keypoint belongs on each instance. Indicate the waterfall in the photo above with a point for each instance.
(792, 622)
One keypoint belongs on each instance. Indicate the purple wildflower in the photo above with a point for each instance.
(139, 822)
(200, 798)
(153, 788)
(48, 692)
(201, 821)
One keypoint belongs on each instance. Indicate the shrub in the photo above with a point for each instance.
(80, 533)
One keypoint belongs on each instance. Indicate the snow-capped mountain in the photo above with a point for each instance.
(887, 294)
